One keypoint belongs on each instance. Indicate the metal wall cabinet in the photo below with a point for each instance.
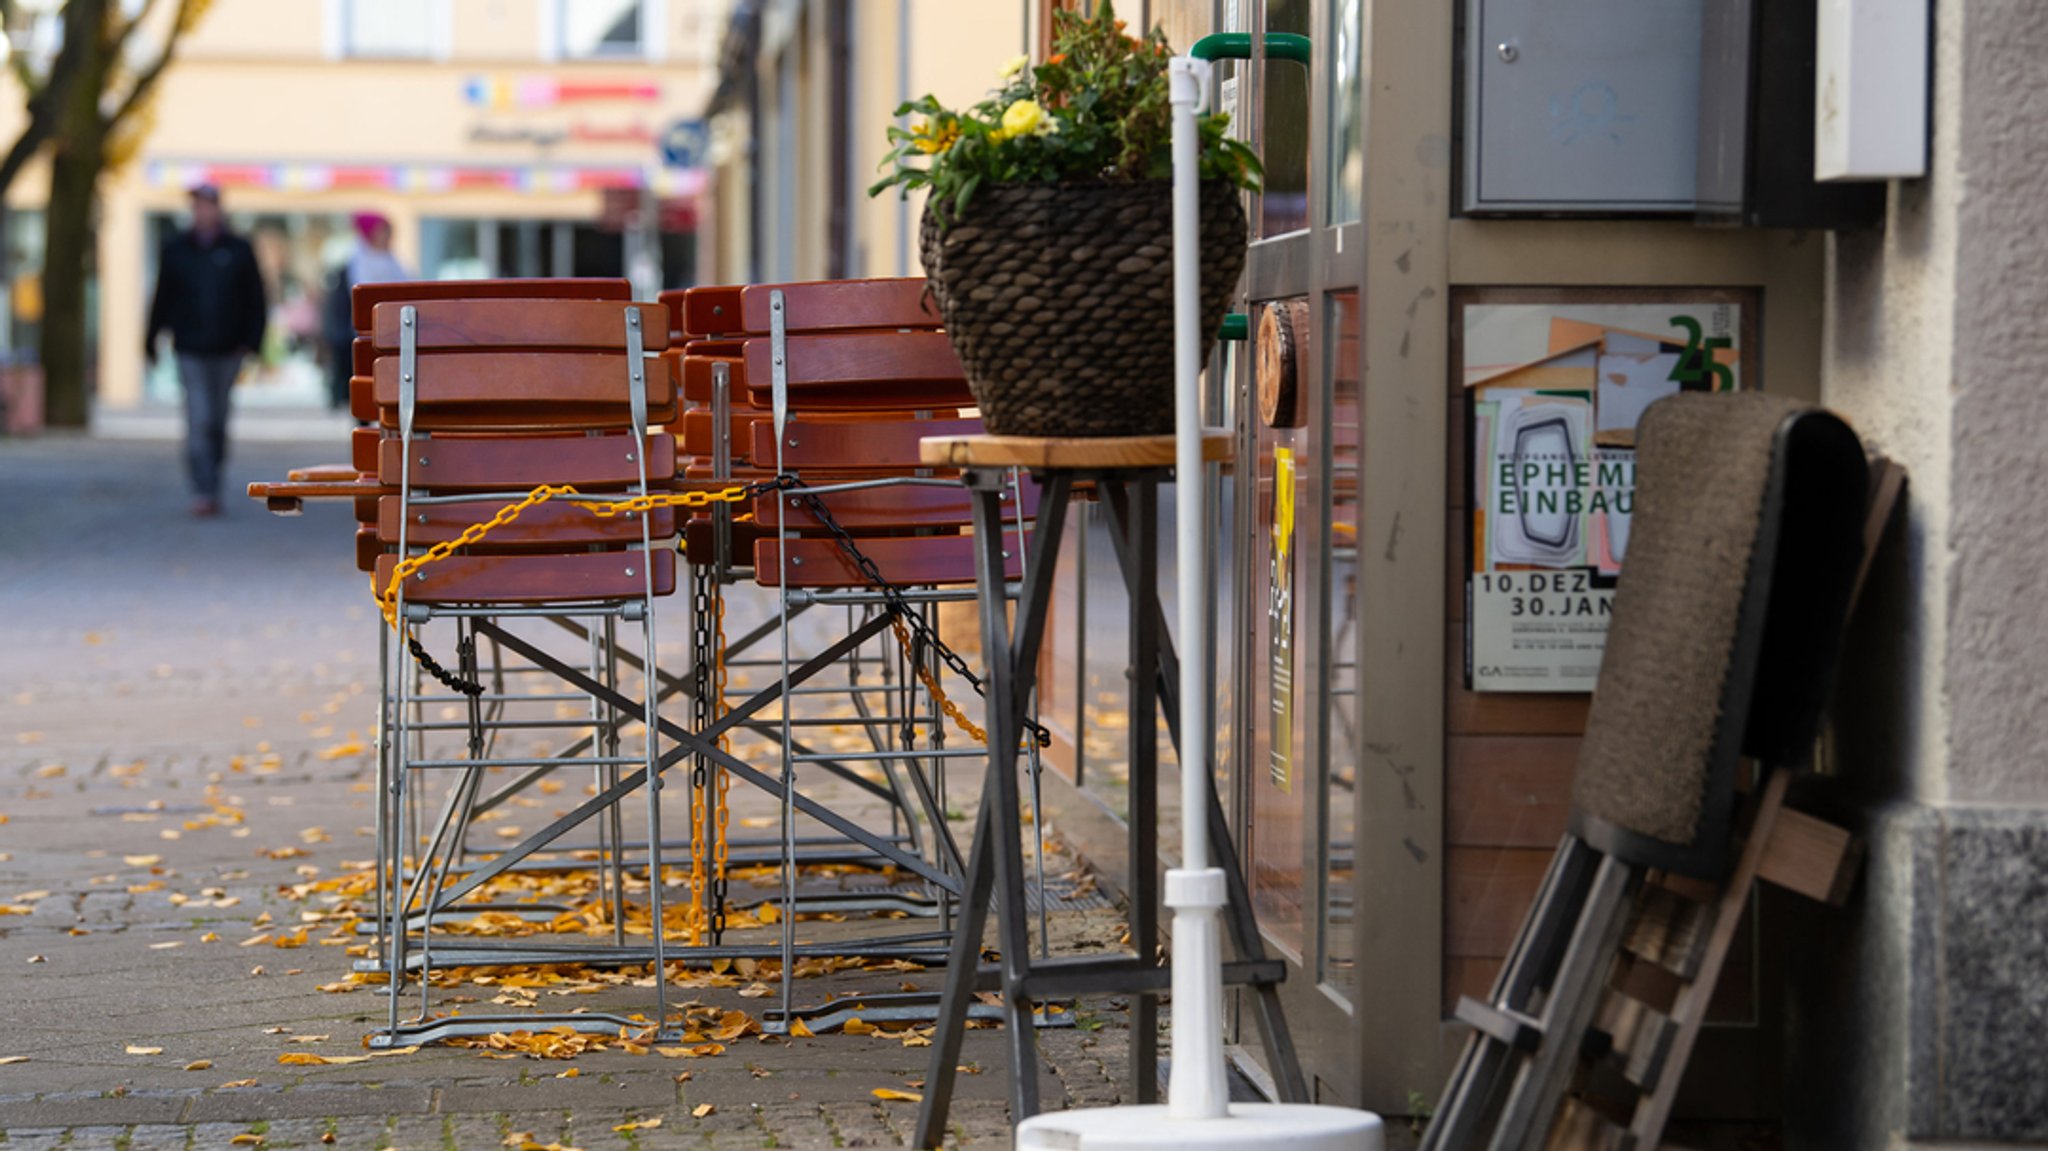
(1580, 106)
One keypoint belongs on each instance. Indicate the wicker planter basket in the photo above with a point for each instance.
(1059, 299)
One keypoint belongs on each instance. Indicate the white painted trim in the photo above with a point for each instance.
(1870, 90)
(334, 29)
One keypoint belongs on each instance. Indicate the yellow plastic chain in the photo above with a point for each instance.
(387, 600)
(931, 684)
(719, 853)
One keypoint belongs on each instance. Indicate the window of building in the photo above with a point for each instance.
(603, 27)
(391, 29)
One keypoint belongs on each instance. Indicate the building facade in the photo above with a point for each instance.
(1445, 183)
(501, 137)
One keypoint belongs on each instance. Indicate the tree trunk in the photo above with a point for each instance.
(77, 155)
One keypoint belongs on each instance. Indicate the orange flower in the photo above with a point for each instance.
(1061, 58)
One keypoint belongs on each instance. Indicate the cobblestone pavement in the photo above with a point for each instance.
(185, 708)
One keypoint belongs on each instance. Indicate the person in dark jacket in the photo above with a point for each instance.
(210, 296)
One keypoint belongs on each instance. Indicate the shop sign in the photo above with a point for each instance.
(1280, 621)
(1555, 391)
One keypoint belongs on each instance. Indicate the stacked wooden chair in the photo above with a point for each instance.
(1755, 519)
(830, 386)
(787, 418)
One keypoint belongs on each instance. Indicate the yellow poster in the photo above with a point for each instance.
(1280, 609)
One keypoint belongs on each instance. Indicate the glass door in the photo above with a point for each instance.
(1298, 405)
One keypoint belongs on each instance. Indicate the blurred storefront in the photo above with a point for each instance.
(501, 138)
(1457, 195)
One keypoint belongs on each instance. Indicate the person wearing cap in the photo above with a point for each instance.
(211, 298)
(371, 263)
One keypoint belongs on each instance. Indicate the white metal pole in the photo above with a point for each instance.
(1194, 890)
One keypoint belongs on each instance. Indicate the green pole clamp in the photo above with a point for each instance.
(1238, 46)
(1236, 326)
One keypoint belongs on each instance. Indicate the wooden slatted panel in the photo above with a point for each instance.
(368, 548)
(518, 388)
(838, 305)
(364, 298)
(896, 506)
(1580, 1128)
(712, 311)
(1639, 1036)
(908, 562)
(1668, 930)
(563, 324)
(671, 302)
(549, 525)
(857, 445)
(697, 373)
(699, 428)
(908, 370)
(516, 579)
(487, 463)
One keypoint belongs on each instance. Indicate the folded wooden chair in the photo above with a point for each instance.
(830, 386)
(1753, 521)
(480, 401)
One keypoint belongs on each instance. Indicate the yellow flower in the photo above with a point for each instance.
(1015, 65)
(1022, 119)
(931, 139)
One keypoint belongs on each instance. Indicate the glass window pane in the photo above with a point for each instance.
(390, 28)
(1347, 110)
(601, 27)
(1286, 132)
(1340, 576)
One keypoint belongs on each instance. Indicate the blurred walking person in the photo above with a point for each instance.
(371, 263)
(210, 296)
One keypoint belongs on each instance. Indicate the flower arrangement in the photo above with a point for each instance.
(1096, 111)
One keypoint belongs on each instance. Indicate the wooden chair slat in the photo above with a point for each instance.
(697, 384)
(919, 561)
(671, 301)
(876, 509)
(883, 442)
(527, 383)
(838, 305)
(517, 579)
(552, 525)
(323, 473)
(700, 430)
(712, 311)
(492, 463)
(364, 298)
(859, 358)
(505, 324)
(368, 548)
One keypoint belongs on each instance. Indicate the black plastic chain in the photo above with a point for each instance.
(921, 631)
(468, 687)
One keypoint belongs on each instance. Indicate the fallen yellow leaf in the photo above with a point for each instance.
(308, 1059)
(199, 1065)
(891, 1095)
(701, 1110)
(248, 1139)
(799, 1031)
(142, 860)
(6, 1059)
(639, 1124)
(133, 1049)
(238, 1083)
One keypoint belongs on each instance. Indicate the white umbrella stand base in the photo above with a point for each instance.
(1250, 1126)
